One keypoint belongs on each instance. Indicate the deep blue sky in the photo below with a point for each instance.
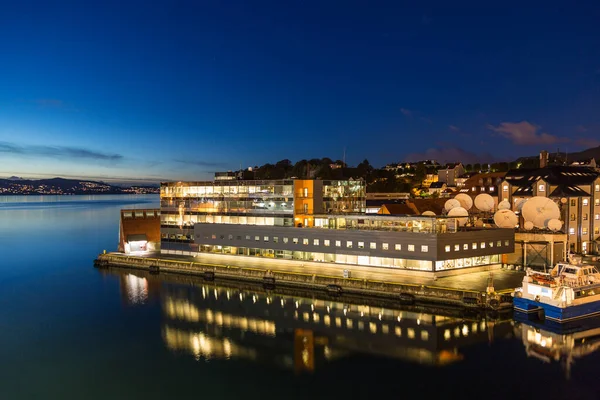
(176, 89)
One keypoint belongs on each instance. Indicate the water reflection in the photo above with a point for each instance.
(553, 343)
(293, 330)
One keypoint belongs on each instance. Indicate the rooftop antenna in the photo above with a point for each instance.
(344, 158)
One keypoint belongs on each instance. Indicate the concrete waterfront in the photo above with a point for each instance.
(467, 290)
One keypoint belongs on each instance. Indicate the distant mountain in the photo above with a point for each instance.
(17, 186)
(562, 157)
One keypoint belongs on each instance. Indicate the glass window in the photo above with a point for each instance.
(248, 237)
(597, 188)
(586, 202)
(457, 247)
(315, 242)
(572, 217)
(584, 231)
(266, 238)
(447, 248)
(505, 188)
(384, 246)
(507, 243)
(466, 246)
(305, 241)
(213, 236)
(326, 242)
(491, 244)
(338, 243)
(597, 216)
(585, 216)
(257, 238)
(275, 239)
(597, 202)
(373, 245)
(424, 248)
(541, 188)
(361, 245)
(573, 203)
(411, 247)
(349, 244)
(285, 240)
(295, 240)
(474, 246)
(230, 237)
(398, 247)
(482, 245)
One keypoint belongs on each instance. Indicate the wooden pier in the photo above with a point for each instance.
(403, 293)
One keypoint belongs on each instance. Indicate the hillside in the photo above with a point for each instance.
(18, 186)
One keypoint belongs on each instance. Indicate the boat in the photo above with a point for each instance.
(571, 290)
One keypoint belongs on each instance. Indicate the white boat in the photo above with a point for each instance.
(570, 291)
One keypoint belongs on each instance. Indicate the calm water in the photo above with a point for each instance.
(69, 331)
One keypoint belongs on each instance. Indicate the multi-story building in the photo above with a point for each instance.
(576, 190)
(263, 218)
(449, 174)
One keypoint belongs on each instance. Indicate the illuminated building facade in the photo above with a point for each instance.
(263, 219)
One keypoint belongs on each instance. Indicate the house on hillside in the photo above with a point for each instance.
(437, 188)
(449, 174)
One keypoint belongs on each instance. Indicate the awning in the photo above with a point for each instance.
(137, 238)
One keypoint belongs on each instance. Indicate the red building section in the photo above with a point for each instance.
(139, 230)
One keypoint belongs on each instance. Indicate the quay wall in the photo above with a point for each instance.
(401, 291)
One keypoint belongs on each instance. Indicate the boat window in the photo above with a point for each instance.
(570, 271)
(594, 271)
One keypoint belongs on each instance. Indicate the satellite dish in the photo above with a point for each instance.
(504, 205)
(465, 200)
(484, 202)
(520, 204)
(459, 212)
(554, 224)
(428, 214)
(450, 204)
(528, 225)
(540, 210)
(505, 219)
(563, 200)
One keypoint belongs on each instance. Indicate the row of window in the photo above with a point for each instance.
(584, 231)
(349, 244)
(585, 217)
(474, 245)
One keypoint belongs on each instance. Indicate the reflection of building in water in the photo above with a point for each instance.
(137, 289)
(558, 344)
(301, 333)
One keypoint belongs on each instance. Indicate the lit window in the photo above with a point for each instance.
(585, 202)
(473, 189)
(507, 243)
(384, 246)
(597, 188)
(457, 247)
(275, 239)
(491, 244)
(474, 246)
(571, 231)
(338, 243)
(257, 238)
(214, 236)
(572, 217)
(315, 242)
(285, 240)
(585, 216)
(505, 188)
(373, 245)
(349, 244)
(482, 245)
(499, 243)
(465, 246)
(326, 242)
(398, 247)
(410, 332)
(304, 241)
(597, 202)
(295, 240)
(247, 237)
(584, 231)
(424, 248)
(573, 202)
(230, 237)
(424, 335)
(596, 231)
(361, 245)
(541, 188)
(447, 248)
(411, 247)
(597, 216)
(492, 188)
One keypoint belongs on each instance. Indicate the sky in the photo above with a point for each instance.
(175, 90)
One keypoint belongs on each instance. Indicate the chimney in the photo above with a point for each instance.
(543, 159)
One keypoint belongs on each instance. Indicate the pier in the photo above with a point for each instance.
(472, 291)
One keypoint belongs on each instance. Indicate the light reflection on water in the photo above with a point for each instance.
(69, 331)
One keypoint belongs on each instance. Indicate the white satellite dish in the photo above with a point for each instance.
(528, 225)
(450, 204)
(428, 214)
(484, 202)
(504, 205)
(465, 200)
(520, 204)
(554, 225)
(505, 219)
(540, 210)
(459, 212)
